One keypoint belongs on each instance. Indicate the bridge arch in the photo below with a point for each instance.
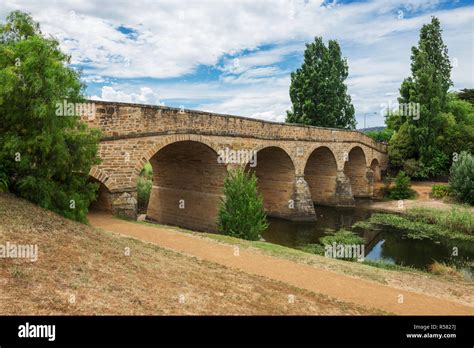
(320, 173)
(355, 168)
(187, 185)
(275, 173)
(156, 147)
(101, 176)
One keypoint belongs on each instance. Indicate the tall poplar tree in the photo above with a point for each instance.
(427, 86)
(318, 91)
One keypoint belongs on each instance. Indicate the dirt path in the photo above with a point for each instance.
(422, 199)
(321, 281)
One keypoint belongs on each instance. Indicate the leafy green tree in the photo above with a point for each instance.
(461, 178)
(401, 146)
(402, 188)
(427, 86)
(423, 144)
(46, 157)
(318, 92)
(241, 212)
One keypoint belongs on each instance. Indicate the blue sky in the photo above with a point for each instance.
(235, 57)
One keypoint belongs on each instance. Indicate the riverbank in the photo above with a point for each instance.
(344, 280)
(421, 200)
(81, 270)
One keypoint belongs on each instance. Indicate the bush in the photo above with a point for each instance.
(241, 212)
(402, 188)
(46, 155)
(461, 179)
(440, 191)
(382, 135)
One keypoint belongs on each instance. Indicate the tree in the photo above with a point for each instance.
(381, 135)
(241, 212)
(426, 90)
(46, 157)
(318, 92)
(402, 189)
(467, 94)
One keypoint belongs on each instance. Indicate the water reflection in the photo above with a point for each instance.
(386, 244)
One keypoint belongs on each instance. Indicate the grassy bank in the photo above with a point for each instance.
(85, 271)
(425, 223)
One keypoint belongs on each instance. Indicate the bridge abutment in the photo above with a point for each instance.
(303, 209)
(124, 203)
(344, 196)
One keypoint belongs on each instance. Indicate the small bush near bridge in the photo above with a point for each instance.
(440, 191)
(402, 188)
(241, 212)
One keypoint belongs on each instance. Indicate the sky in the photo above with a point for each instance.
(235, 57)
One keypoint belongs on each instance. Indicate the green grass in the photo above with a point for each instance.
(457, 219)
(424, 223)
(342, 237)
(390, 266)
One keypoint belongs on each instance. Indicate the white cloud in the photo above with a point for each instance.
(146, 96)
(172, 38)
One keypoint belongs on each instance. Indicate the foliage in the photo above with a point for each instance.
(382, 135)
(313, 248)
(401, 146)
(467, 94)
(147, 171)
(461, 178)
(318, 92)
(241, 213)
(440, 191)
(402, 188)
(342, 237)
(46, 157)
(423, 223)
(3, 181)
(456, 219)
(144, 186)
(443, 125)
(417, 169)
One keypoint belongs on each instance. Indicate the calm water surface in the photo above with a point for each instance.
(387, 244)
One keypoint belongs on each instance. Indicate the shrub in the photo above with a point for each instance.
(461, 179)
(46, 155)
(402, 188)
(241, 212)
(440, 191)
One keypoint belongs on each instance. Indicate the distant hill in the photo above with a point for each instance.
(370, 129)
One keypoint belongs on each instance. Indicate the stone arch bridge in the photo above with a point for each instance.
(296, 165)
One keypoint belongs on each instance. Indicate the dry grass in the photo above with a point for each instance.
(440, 268)
(78, 262)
